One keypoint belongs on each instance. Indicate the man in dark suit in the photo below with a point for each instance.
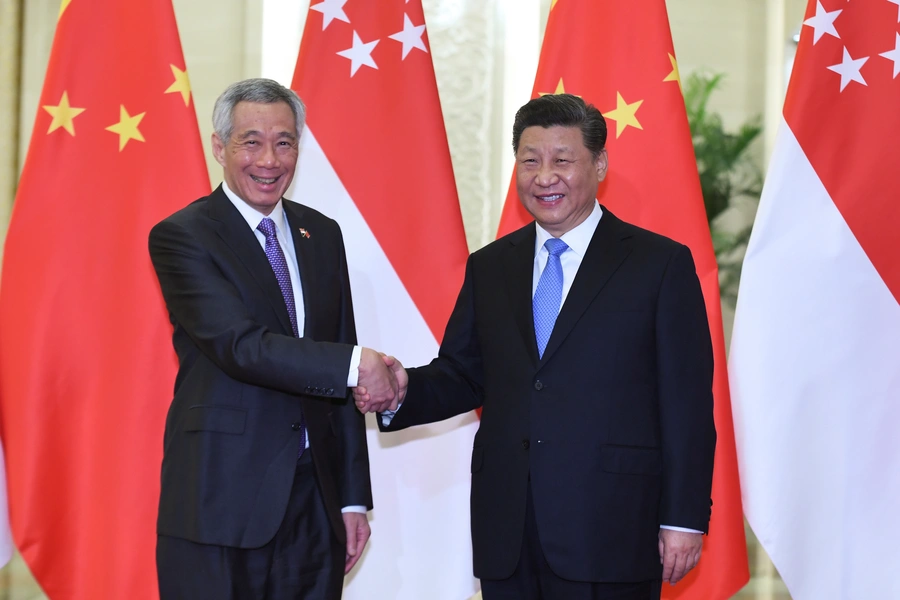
(585, 342)
(265, 475)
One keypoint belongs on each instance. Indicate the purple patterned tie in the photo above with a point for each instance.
(279, 265)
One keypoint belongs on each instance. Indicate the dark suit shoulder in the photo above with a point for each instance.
(196, 212)
(310, 216)
(649, 239)
(523, 235)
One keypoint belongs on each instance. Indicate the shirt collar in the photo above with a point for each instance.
(578, 238)
(253, 216)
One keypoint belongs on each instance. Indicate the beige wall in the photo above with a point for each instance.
(726, 36)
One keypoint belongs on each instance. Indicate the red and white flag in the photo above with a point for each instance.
(374, 156)
(630, 74)
(814, 355)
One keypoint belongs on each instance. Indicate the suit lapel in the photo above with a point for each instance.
(238, 236)
(519, 273)
(305, 250)
(605, 253)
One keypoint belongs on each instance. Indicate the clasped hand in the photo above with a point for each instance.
(382, 382)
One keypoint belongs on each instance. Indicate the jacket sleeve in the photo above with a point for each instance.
(685, 375)
(210, 310)
(356, 486)
(452, 384)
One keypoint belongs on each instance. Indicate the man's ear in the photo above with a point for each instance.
(602, 165)
(218, 148)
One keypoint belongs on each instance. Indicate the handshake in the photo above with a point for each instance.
(382, 382)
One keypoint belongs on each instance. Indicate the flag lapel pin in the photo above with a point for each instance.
(304, 233)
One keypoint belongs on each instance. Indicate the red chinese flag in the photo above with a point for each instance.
(629, 73)
(86, 362)
(374, 157)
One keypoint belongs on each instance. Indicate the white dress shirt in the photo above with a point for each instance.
(286, 241)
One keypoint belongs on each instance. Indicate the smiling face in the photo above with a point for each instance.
(260, 156)
(556, 176)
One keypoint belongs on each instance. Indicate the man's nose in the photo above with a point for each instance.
(546, 175)
(268, 157)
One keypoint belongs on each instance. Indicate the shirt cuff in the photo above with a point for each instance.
(388, 416)
(353, 374)
(685, 529)
(354, 509)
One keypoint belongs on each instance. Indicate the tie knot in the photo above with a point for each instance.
(555, 246)
(267, 226)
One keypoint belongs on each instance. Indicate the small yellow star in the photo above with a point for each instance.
(560, 89)
(63, 115)
(674, 75)
(553, 4)
(181, 84)
(625, 114)
(62, 8)
(127, 127)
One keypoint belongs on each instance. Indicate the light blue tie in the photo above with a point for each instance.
(548, 295)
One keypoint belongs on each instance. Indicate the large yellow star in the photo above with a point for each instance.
(674, 75)
(63, 115)
(127, 127)
(560, 89)
(181, 84)
(62, 8)
(624, 114)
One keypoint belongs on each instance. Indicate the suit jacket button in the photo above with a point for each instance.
(295, 426)
(526, 444)
(538, 385)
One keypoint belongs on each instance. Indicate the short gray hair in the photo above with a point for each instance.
(263, 91)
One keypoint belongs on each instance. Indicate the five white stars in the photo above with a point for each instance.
(823, 22)
(849, 68)
(894, 55)
(331, 10)
(359, 54)
(411, 36)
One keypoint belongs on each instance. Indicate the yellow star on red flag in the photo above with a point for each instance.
(127, 127)
(63, 115)
(625, 115)
(560, 89)
(181, 84)
(674, 75)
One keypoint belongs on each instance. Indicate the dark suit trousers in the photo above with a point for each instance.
(533, 578)
(303, 561)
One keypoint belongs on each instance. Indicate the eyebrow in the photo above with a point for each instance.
(554, 149)
(251, 132)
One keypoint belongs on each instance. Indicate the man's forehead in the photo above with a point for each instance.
(557, 137)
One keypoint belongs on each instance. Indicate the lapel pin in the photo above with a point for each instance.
(304, 233)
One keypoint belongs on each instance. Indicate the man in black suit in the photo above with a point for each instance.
(265, 475)
(585, 342)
